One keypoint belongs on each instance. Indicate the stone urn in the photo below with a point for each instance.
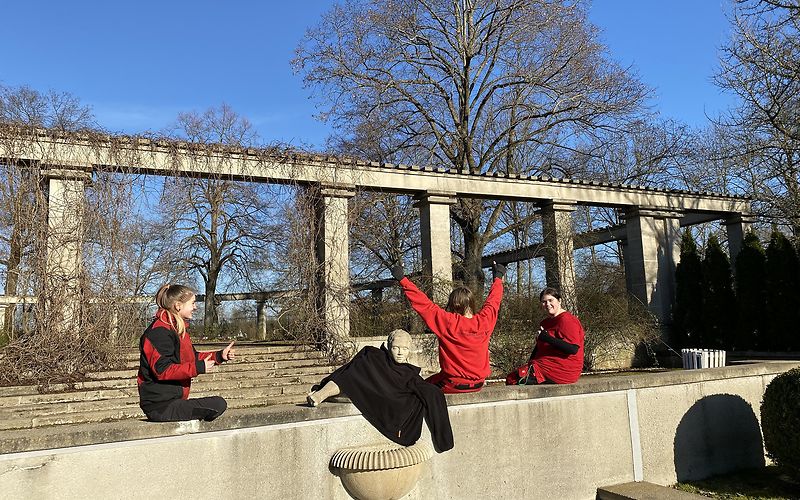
(380, 471)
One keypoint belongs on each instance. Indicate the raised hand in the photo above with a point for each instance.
(398, 272)
(498, 270)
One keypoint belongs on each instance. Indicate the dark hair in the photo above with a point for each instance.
(551, 292)
(461, 300)
(166, 297)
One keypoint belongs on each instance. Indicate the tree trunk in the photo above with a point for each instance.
(471, 272)
(210, 312)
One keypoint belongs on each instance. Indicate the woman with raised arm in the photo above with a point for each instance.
(168, 362)
(462, 331)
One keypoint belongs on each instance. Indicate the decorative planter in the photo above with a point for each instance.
(702, 358)
(381, 471)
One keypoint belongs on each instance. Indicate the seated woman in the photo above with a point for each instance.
(557, 357)
(168, 362)
(463, 332)
(390, 393)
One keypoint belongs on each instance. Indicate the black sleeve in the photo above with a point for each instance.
(558, 343)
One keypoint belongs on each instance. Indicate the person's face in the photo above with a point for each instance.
(186, 309)
(400, 350)
(551, 305)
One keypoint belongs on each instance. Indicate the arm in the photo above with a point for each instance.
(216, 356)
(420, 302)
(491, 307)
(559, 344)
(164, 361)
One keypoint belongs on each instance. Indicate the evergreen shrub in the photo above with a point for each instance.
(780, 421)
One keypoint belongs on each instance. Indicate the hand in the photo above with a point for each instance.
(228, 353)
(498, 270)
(210, 365)
(397, 272)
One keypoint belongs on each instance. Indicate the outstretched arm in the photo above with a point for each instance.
(425, 307)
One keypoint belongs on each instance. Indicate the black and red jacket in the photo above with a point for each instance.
(167, 363)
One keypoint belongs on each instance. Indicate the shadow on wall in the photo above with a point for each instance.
(718, 434)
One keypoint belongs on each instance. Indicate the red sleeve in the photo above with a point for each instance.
(570, 330)
(164, 361)
(491, 307)
(215, 355)
(428, 311)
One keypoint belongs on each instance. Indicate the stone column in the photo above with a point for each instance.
(65, 187)
(3, 309)
(437, 261)
(333, 259)
(261, 320)
(736, 225)
(653, 251)
(113, 324)
(558, 235)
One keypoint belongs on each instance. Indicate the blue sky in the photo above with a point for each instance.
(138, 64)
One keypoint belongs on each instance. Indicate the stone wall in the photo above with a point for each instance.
(511, 442)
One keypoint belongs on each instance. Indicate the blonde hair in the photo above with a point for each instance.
(166, 297)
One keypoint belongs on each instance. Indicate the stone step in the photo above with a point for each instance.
(130, 381)
(127, 398)
(128, 389)
(253, 358)
(264, 366)
(126, 411)
(241, 349)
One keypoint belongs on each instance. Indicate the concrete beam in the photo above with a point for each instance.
(534, 250)
(169, 158)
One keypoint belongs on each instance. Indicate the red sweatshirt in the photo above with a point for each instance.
(463, 342)
(554, 364)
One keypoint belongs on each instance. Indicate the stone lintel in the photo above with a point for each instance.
(654, 212)
(558, 205)
(337, 190)
(67, 172)
(436, 198)
(739, 218)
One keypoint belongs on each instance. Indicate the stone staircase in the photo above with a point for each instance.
(263, 374)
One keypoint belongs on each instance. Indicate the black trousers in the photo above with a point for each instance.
(189, 409)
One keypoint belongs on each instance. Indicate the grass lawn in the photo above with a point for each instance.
(768, 483)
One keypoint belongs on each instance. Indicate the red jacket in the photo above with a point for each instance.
(553, 364)
(167, 363)
(463, 342)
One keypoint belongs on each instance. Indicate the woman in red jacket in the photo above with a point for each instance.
(557, 357)
(168, 362)
(463, 333)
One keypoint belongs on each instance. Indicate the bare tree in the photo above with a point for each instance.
(761, 65)
(220, 224)
(467, 84)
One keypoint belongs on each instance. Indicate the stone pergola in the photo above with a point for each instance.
(650, 235)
